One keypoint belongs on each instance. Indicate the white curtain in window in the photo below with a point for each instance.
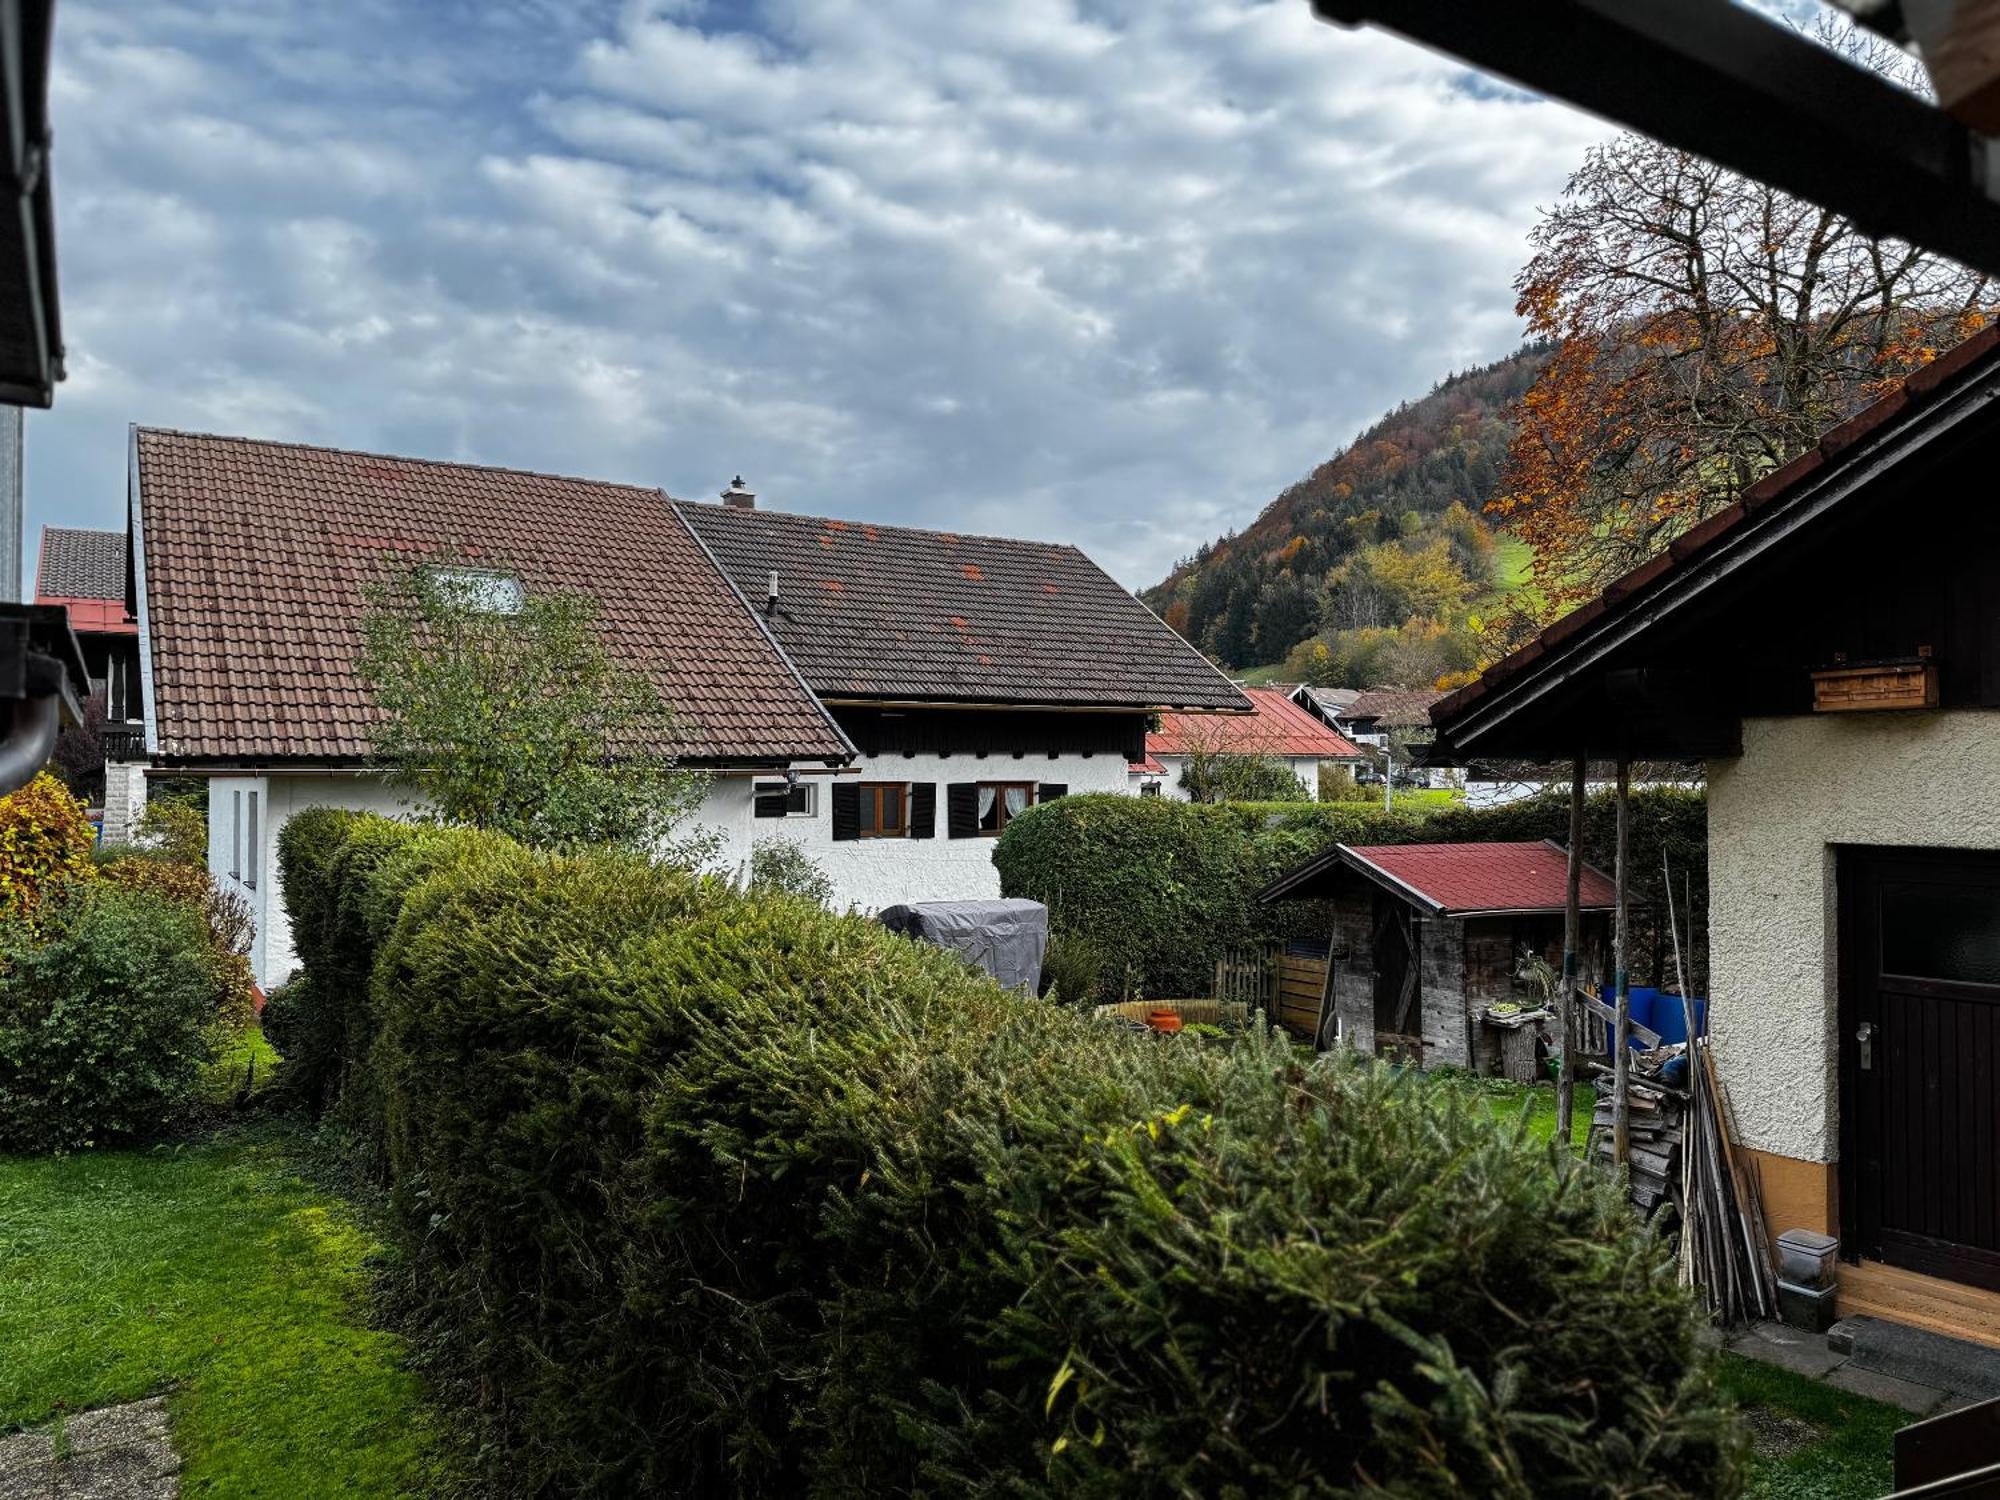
(1017, 799)
(985, 803)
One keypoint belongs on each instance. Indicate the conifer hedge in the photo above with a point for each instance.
(715, 1193)
(1171, 885)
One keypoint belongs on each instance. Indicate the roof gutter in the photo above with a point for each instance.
(994, 705)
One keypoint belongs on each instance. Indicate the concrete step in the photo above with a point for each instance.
(1915, 1354)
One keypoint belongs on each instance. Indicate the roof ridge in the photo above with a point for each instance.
(845, 523)
(402, 458)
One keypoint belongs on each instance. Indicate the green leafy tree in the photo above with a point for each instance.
(505, 711)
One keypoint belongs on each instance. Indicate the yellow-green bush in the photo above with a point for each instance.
(45, 842)
(716, 1193)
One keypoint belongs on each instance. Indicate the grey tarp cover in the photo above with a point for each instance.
(1005, 938)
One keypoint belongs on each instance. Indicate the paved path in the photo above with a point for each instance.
(114, 1453)
(1818, 1358)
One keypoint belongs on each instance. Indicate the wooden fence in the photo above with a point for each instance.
(1283, 985)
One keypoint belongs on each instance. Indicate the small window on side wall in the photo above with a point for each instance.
(252, 853)
(776, 799)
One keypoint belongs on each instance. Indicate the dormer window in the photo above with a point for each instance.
(485, 591)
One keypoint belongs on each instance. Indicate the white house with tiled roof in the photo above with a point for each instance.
(885, 698)
(1277, 729)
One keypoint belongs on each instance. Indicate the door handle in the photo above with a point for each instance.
(1865, 1035)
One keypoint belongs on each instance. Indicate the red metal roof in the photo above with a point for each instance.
(1277, 727)
(94, 616)
(1460, 878)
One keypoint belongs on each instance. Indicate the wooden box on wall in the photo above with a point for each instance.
(1875, 687)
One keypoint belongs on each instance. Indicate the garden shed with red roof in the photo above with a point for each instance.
(1432, 943)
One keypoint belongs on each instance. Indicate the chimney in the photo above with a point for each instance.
(771, 594)
(738, 498)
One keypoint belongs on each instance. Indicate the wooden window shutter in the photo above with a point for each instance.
(846, 810)
(1048, 791)
(923, 809)
(962, 809)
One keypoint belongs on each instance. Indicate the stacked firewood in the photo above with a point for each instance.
(1683, 1171)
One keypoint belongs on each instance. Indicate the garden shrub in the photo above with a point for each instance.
(714, 1192)
(107, 1017)
(1168, 886)
(176, 828)
(781, 867)
(225, 916)
(45, 842)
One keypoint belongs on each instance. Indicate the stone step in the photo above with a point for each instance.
(1915, 1354)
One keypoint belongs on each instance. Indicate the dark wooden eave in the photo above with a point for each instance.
(1742, 89)
(1642, 672)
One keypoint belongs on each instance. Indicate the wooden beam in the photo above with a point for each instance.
(1621, 1061)
(1572, 942)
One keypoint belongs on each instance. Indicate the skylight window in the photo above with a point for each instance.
(480, 589)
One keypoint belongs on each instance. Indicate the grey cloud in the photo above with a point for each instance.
(1112, 273)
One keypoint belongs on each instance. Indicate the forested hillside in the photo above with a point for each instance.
(1372, 568)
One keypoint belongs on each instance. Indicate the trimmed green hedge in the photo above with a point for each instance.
(715, 1193)
(1170, 885)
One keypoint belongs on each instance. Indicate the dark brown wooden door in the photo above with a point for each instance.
(1920, 1043)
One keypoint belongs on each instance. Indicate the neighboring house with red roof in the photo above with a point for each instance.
(1829, 646)
(86, 571)
(1277, 729)
(1428, 938)
(886, 698)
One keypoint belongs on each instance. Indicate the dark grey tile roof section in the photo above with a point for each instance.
(78, 564)
(890, 613)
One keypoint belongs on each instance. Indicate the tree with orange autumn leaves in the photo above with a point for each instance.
(1708, 330)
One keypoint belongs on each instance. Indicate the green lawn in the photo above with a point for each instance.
(210, 1271)
(1813, 1441)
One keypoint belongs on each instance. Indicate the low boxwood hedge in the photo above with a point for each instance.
(716, 1193)
(1166, 887)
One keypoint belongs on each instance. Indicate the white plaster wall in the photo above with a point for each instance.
(866, 873)
(1775, 816)
(873, 873)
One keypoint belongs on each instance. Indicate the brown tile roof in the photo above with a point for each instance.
(80, 564)
(1277, 727)
(1777, 490)
(888, 612)
(1392, 707)
(255, 555)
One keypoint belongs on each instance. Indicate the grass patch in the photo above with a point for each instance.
(1508, 1102)
(213, 1272)
(1813, 1441)
(245, 1060)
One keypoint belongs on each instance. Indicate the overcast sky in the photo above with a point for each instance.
(1112, 273)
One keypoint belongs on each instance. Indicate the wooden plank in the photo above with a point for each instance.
(1621, 1051)
(1876, 1290)
(1572, 943)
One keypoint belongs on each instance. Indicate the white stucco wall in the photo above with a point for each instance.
(874, 873)
(867, 873)
(1802, 787)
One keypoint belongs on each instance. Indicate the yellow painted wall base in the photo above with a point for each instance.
(1797, 1194)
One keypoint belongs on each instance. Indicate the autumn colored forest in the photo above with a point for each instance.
(1379, 566)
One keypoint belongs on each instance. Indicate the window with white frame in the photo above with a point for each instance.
(779, 799)
(484, 590)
